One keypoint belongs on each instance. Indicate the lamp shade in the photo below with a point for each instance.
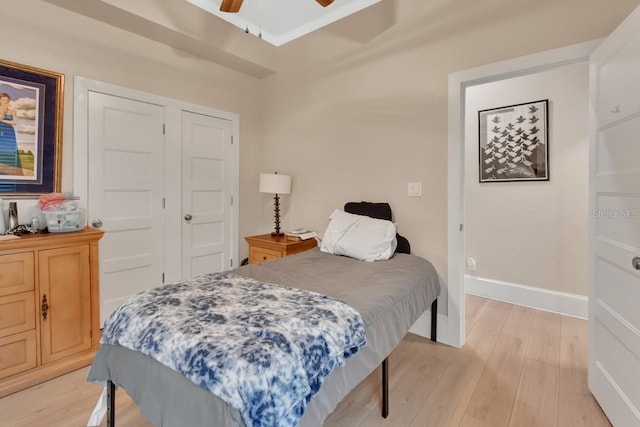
(274, 183)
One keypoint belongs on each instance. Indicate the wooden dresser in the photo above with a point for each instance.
(266, 247)
(49, 306)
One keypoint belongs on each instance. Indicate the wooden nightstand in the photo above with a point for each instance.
(266, 247)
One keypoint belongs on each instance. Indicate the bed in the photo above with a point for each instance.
(389, 295)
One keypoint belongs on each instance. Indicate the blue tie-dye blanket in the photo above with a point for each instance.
(264, 349)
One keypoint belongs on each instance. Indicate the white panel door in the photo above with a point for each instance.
(206, 194)
(125, 191)
(614, 317)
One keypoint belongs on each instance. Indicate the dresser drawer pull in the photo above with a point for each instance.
(44, 307)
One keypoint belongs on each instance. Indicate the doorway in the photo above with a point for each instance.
(525, 236)
(458, 83)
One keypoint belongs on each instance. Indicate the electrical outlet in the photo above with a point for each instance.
(471, 264)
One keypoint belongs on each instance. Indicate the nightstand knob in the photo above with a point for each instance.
(188, 217)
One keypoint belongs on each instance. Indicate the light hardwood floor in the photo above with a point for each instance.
(520, 367)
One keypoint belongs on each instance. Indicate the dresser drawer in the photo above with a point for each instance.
(17, 353)
(17, 313)
(16, 273)
(258, 255)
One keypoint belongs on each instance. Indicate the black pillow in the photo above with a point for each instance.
(378, 211)
(372, 210)
(403, 245)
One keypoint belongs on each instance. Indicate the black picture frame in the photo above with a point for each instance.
(36, 107)
(513, 142)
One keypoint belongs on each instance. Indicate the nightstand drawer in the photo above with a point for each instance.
(17, 313)
(17, 353)
(258, 255)
(16, 273)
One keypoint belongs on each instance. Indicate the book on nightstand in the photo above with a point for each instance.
(300, 234)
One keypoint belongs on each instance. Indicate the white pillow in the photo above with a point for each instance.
(359, 237)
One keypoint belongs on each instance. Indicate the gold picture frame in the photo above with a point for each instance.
(31, 117)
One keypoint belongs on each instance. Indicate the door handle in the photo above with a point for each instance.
(636, 262)
(188, 217)
(97, 223)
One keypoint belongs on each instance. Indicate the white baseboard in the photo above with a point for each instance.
(528, 296)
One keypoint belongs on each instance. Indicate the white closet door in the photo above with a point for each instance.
(125, 191)
(614, 318)
(206, 194)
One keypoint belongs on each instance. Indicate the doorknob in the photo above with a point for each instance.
(636, 262)
(97, 223)
(188, 217)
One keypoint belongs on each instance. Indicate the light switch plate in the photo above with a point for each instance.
(414, 189)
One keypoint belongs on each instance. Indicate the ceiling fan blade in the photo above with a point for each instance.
(325, 3)
(231, 6)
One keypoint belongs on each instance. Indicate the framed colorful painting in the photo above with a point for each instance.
(514, 145)
(31, 109)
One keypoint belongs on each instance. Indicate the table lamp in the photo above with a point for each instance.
(275, 184)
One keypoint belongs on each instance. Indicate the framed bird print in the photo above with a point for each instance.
(31, 101)
(513, 143)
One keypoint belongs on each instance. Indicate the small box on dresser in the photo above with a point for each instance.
(49, 306)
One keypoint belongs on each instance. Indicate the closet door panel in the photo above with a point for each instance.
(206, 194)
(126, 189)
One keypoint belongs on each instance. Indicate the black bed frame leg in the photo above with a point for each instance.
(434, 320)
(385, 388)
(385, 362)
(111, 404)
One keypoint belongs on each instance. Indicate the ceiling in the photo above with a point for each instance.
(187, 26)
(280, 21)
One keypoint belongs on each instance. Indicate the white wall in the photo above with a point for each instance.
(356, 110)
(360, 107)
(533, 233)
